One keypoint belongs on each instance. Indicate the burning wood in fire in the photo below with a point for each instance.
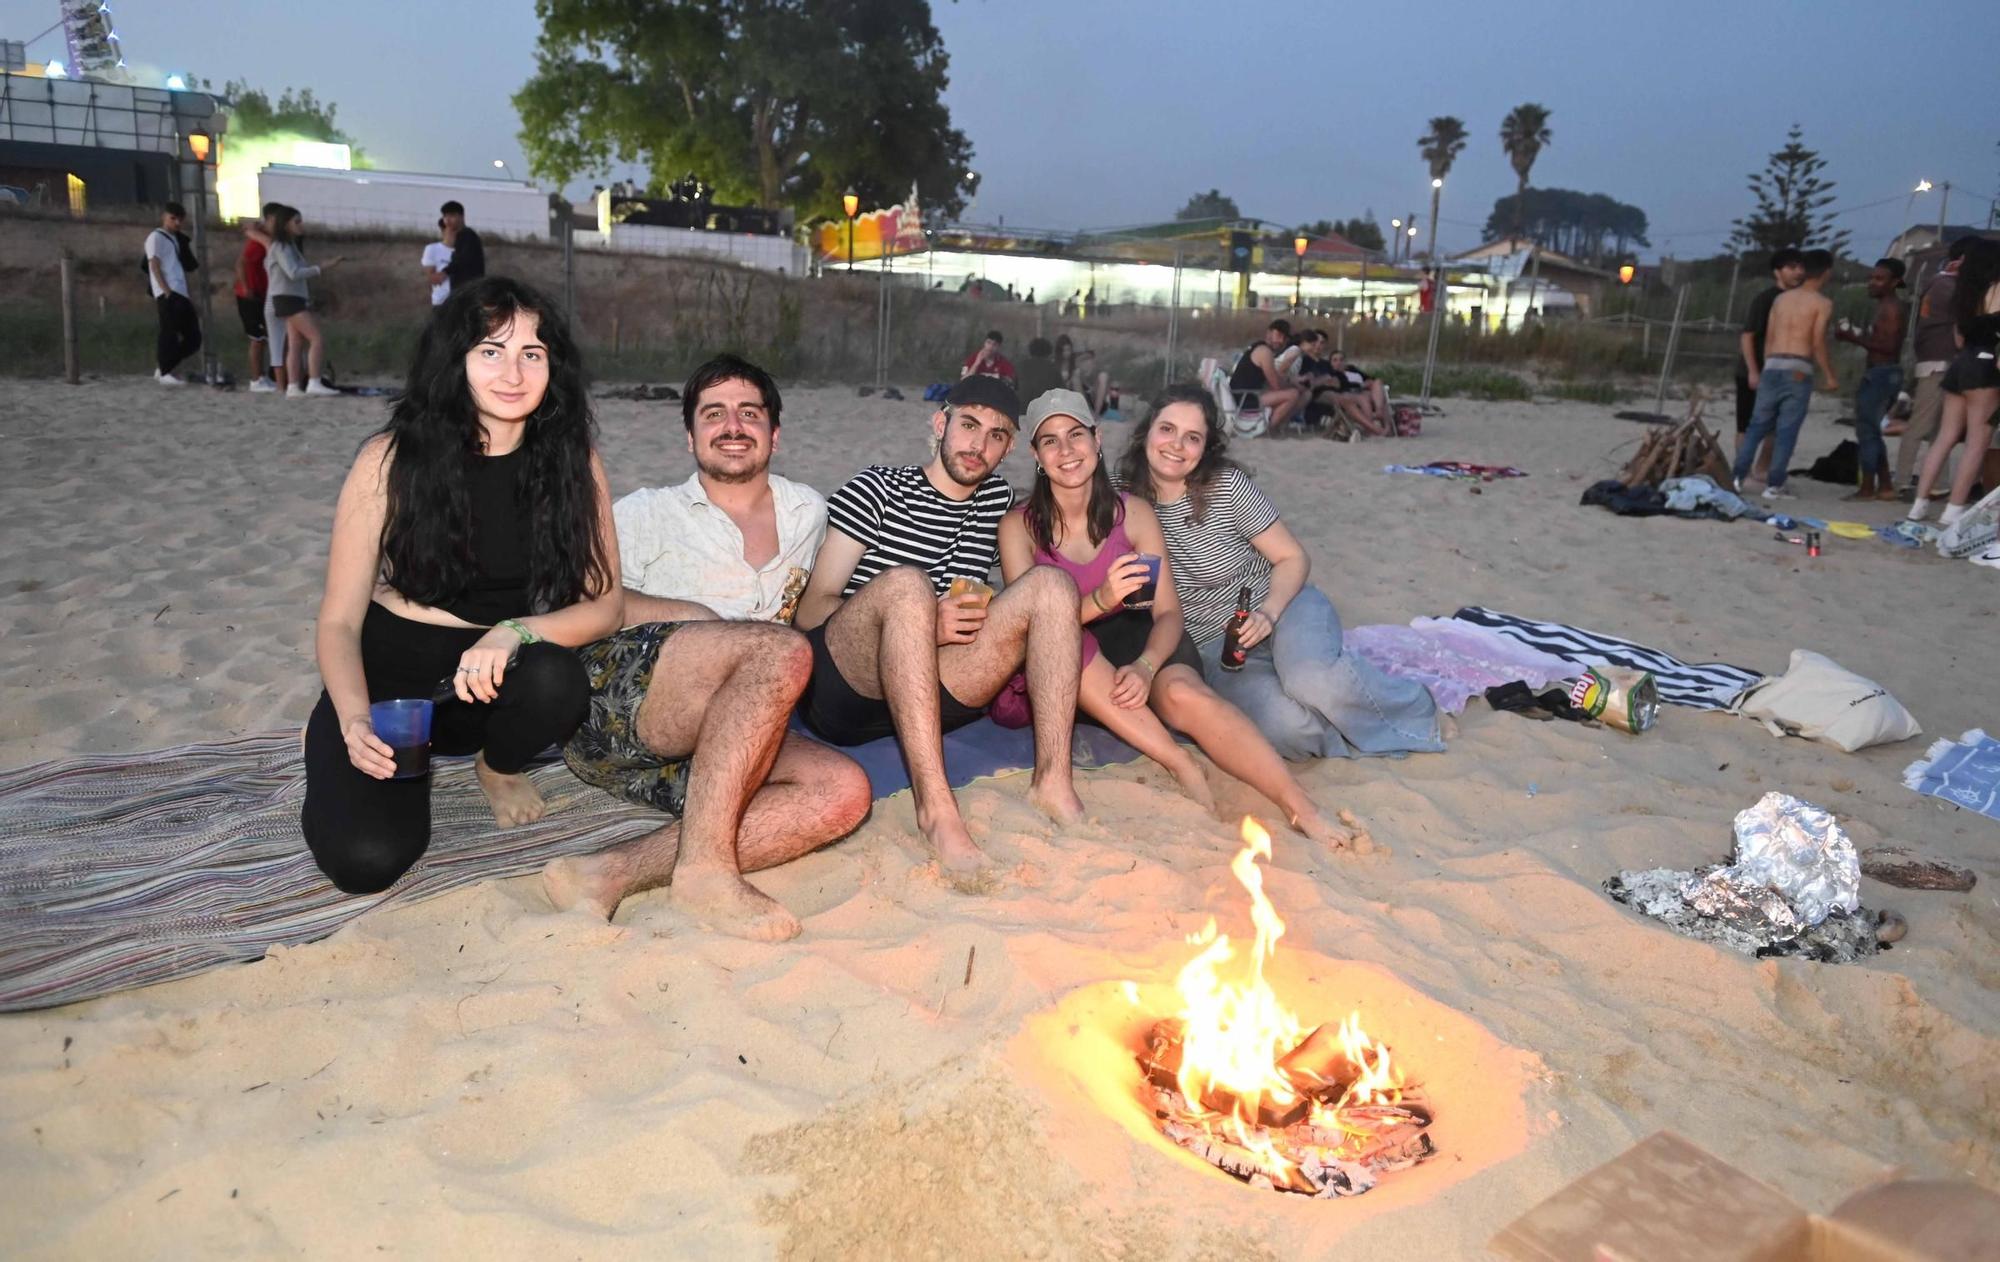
(1235, 1080)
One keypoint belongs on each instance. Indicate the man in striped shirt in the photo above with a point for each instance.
(896, 650)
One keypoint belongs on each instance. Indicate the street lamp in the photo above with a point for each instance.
(1625, 274)
(1299, 274)
(851, 204)
(201, 146)
(501, 165)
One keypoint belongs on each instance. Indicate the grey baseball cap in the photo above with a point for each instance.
(1058, 402)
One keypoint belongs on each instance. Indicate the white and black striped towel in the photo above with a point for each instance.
(1705, 685)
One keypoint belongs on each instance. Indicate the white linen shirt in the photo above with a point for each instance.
(674, 544)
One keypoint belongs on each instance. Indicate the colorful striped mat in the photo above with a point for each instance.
(124, 870)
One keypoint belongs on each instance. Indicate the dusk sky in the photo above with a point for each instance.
(1113, 111)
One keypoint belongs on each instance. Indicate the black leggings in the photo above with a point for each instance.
(364, 832)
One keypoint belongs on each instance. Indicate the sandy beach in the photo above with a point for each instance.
(935, 1072)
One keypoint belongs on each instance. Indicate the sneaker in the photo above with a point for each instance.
(263, 385)
(295, 392)
(1989, 558)
(1777, 493)
(321, 390)
(167, 378)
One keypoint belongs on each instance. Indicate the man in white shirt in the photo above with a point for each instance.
(725, 550)
(735, 539)
(180, 325)
(437, 257)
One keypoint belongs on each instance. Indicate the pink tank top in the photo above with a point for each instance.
(1090, 574)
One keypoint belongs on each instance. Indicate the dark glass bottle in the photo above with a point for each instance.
(1233, 652)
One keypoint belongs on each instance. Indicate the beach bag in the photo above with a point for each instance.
(1821, 700)
(1974, 532)
(1408, 420)
(183, 249)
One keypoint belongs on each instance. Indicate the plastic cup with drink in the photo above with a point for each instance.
(1141, 597)
(405, 727)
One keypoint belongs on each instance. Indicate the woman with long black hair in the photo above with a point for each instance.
(472, 549)
(1971, 388)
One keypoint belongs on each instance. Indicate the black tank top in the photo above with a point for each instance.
(1248, 377)
(1981, 332)
(499, 586)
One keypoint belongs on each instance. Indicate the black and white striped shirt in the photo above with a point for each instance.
(1214, 560)
(899, 518)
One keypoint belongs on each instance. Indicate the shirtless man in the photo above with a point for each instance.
(1786, 270)
(1795, 341)
(1255, 381)
(710, 744)
(896, 651)
(1882, 381)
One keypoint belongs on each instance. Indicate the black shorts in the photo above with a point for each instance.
(251, 312)
(1122, 636)
(1973, 368)
(841, 716)
(286, 305)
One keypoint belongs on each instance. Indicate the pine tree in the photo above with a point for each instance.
(1791, 200)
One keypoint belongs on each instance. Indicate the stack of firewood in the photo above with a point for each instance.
(1680, 451)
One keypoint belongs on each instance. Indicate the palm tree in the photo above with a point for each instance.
(1523, 133)
(1440, 147)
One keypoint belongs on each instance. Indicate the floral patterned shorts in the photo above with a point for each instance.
(606, 751)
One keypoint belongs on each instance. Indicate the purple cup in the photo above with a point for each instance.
(405, 727)
(1141, 597)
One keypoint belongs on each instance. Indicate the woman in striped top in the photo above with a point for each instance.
(1309, 698)
(1136, 661)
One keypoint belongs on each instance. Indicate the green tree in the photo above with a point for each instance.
(1440, 147)
(253, 113)
(772, 102)
(1214, 204)
(1792, 197)
(1589, 227)
(1362, 230)
(1524, 133)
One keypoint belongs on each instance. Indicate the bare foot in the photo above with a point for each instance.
(952, 843)
(727, 903)
(1058, 801)
(584, 883)
(1194, 783)
(515, 799)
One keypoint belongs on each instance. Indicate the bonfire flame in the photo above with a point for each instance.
(1237, 1036)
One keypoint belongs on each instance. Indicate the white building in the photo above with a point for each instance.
(406, 201)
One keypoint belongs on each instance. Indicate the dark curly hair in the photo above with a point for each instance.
(434, 434)
(1137, 476)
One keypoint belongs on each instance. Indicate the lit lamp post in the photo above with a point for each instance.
(1625, 274)
(500, 164)
(1299, 273)
(202, 146)
(851, 204)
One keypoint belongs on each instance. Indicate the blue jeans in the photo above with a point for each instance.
(1782, 395)
(1311, 700)
(1878, 390)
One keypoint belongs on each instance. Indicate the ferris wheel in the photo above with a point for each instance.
(91, 41)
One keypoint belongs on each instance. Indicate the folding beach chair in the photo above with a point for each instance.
(1239, 419)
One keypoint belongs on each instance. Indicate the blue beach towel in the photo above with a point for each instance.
(1964, 772)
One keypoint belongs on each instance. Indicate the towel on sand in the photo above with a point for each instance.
(123, 870)
(1964, 772)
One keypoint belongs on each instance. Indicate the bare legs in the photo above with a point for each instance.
(1228, 736)
(1140, 728)
(305, 348)
(756, 797)
(1954, 423)
(1978, 406)
(884, 641)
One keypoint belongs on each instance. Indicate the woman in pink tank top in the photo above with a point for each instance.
(1141, 672)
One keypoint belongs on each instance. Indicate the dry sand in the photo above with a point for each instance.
(477, 1076)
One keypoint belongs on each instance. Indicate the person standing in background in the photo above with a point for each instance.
(166, 274)
(437, 259)
(1787, 270)
(468, 252)
(1936, 344)
(1882, 381)
(252, 285)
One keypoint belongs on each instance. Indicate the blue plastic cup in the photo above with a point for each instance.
(1142, 596)
(405, 727)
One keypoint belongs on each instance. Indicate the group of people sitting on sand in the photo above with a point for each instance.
(1293, 379)
(666, 642)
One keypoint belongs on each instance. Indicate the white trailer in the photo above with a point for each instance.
(406, 201)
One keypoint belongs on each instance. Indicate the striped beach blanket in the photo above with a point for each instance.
(124, 870)
(1964, 772)
(1702, 685)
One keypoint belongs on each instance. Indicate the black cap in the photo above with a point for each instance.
(986, 392)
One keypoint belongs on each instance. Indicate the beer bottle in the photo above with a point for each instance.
(1233, 652)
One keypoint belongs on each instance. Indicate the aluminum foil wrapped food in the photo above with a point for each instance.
(1785, 848)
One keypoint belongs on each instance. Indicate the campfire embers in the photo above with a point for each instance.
(1235, 1080)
